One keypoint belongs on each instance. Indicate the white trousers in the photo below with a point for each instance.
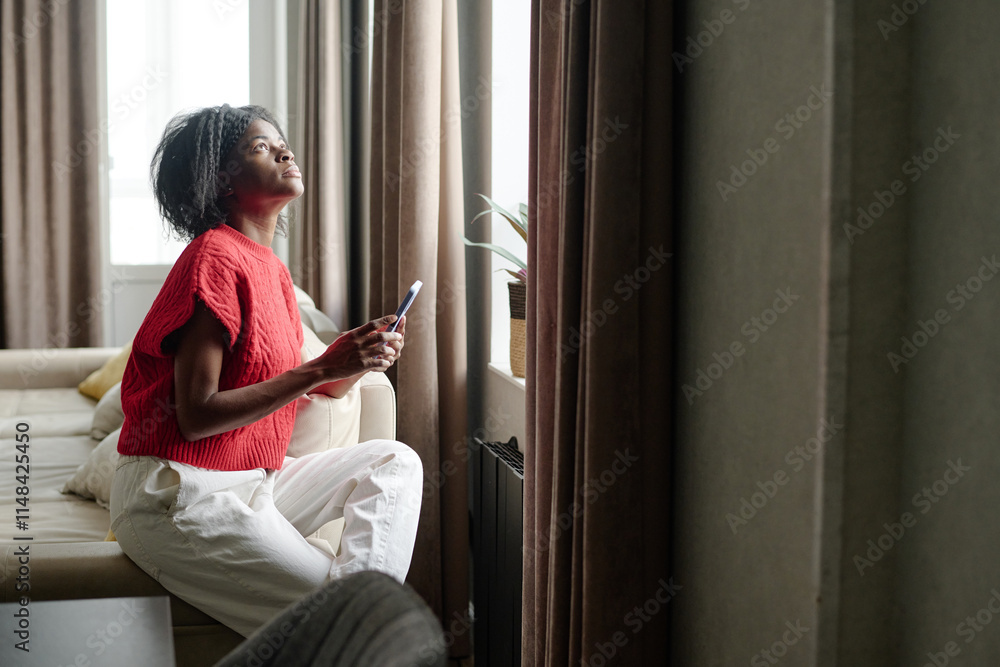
(232, 543)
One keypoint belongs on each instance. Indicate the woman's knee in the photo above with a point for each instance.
(409, 458)
(409, 467)
(399, 453)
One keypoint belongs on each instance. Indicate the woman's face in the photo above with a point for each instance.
(260, 169)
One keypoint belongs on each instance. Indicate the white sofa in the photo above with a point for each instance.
(69, 557)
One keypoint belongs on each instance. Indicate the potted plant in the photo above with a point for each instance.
(517, 288)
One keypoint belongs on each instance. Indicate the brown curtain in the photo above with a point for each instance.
(597, 470)
(50, 140)
(319, 235)
(416, 234)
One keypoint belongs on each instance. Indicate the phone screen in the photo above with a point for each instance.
(405, 304)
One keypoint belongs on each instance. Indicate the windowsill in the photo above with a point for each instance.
(503, 371)
(504, 406)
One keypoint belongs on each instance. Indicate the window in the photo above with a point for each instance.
(163, 58)
(509, 164)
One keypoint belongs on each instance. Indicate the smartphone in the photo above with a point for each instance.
(405, 305)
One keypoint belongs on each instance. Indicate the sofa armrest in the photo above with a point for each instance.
(48, 368)
(378, 408)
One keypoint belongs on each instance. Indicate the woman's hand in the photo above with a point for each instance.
(368, 348)
(394, 348)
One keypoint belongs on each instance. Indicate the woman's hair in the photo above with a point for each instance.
(187, 172)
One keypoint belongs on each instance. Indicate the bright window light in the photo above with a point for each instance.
(511, 84)
(163, 58)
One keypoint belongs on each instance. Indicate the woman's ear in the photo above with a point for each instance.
(225, 176)
(222, 184)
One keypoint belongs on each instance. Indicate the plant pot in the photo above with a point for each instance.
(518, 293)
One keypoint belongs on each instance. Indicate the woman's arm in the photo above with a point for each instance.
(203, 410)
(337, 388)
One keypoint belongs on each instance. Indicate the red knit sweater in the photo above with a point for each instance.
(248, 288)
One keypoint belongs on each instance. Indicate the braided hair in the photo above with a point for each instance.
(187, 172)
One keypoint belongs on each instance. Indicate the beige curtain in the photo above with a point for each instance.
(50, 139)
(318, 234)
(416, 228)
(597, 456)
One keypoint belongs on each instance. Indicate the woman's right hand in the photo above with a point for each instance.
(359, 350)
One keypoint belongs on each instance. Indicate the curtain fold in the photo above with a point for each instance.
(599, 400)
(50, 140)
(416, 230)
(358, 145)
(319, 235)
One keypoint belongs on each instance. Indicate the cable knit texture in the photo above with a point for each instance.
(249, 289)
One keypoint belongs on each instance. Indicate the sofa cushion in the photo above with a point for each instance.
(70, 423)
(105, 377)
(108, 415)
(59, 412)
(53, 517)
(22, 402)
(93, 478)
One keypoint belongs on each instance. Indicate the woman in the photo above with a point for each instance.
(204, 499)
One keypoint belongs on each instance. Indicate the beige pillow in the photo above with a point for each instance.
(302, 297)
(107, 376)
(108, 414)
(320, 324)
(323, 422)
(93, 478)
(312, 346)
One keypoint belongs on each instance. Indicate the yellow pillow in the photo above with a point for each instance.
(107, 376)
(111, 537)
